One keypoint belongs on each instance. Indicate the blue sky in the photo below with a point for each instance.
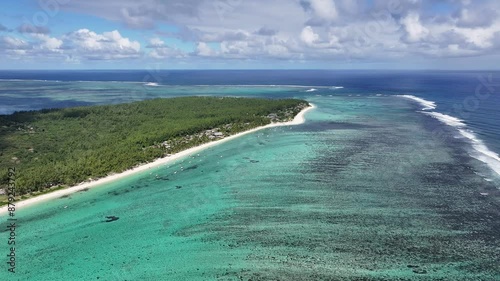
(229, 34)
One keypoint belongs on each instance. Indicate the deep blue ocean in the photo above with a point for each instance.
(395, 175)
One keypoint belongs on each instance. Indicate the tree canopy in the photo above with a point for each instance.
(59, 147)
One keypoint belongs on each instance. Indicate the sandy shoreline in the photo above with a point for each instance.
(299, 119)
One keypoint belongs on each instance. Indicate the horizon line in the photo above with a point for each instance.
(242, 69)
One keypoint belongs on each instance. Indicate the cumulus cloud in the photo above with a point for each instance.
(141, 14)
(203, 50)
(155, 43)
(78, 45)
(325, 9)
(308, 36)
(12, 43)
(35, 47)
(330, 29)
(480, 37)
(48, 43)
(166, 52)
(482, 17)
(105, 46)
(415, 31)
(300, 30)
(160, 50)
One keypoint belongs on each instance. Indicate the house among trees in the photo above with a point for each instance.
(273, 117)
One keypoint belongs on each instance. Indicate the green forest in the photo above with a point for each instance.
(55, 148)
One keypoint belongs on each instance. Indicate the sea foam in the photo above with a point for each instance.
(481, 151)
(447, 119)
(427, 105)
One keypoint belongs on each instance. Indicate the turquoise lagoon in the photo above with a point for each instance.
(366, 189)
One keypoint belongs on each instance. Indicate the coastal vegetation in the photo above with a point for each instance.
(54, 148)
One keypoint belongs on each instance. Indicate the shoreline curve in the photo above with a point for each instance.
(297, 120)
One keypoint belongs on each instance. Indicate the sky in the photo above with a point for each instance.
(249, 34)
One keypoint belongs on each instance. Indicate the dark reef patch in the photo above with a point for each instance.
(331, 125)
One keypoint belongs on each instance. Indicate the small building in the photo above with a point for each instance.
(218, 135)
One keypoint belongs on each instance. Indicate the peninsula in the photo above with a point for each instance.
(85, 146)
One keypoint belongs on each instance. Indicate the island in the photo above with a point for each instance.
(53, 149)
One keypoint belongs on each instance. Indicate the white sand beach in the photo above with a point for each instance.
(299, 119)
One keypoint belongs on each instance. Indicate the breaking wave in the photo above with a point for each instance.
(427, 105)
(481, 152)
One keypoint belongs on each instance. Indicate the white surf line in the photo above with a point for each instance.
(427, 105)
(299, 119)
(480, 151)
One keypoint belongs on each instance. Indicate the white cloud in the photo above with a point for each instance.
(415, 30)
(48, 43)
(202, 49)
(480, 37)
(105, 46)
(79, 45)
(40, 47)
(325, 9)
(160, 50)
(304, 30)
(350, 6)
(478, 17)
(166, 52)
(12, 43)
(156, 42)
(308, 36)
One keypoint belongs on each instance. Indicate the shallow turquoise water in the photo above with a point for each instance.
(362, 191)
